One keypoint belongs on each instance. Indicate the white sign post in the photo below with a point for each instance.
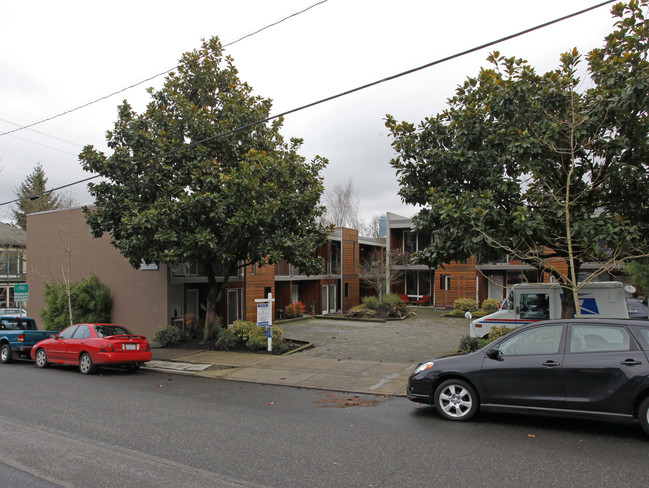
(265, 317)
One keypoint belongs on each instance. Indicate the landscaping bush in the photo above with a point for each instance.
(392, 300)
(470, 344)
(226, 340)
(490, 305)
(497, 332)
(252, 337)
(90, 299)
(294, 310)
(465, 304)
(370, 302)
(167, 336)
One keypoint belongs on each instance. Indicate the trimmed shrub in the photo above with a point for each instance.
(226, 340)
(465, 304)
(253, 337)
(167, 336)
(490, 305)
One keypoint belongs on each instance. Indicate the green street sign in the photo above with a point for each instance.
(21, 292)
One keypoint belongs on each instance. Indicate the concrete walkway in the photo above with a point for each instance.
(349, 356)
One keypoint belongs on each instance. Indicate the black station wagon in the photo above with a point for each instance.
(570, 367)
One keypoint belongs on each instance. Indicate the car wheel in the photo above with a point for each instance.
(132, 368)
(456, 400)
(86, 365)
(41, 358)
(643, 415)
(5, 353)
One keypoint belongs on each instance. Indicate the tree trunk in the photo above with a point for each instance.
(214, 298)
(568, 302)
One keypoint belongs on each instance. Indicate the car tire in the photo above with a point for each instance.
(6, 355)
(643, 415)
(456, 400)
(86, 366)
(41, 358)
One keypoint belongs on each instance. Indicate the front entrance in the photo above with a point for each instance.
(328, 299)
(233, 306)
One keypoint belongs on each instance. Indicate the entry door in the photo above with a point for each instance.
(325, 299)
(233, 306)
(191, 302)
(332, 299)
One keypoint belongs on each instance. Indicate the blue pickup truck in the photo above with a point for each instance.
(17, 337)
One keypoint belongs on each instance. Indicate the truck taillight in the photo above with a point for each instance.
(21, 337)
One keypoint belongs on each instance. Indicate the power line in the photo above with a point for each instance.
(345, 93)
(155, 76)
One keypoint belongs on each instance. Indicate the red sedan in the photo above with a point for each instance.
(92, 345)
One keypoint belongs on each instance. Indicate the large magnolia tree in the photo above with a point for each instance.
(536, 165)
(182, 185)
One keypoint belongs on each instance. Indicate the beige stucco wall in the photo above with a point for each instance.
(60, 240)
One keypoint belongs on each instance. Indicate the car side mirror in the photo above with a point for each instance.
(494, 354)
(57, 336)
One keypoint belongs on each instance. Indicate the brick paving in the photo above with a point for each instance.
(426, 335)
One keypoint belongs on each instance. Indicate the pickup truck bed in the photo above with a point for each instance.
(17, 337)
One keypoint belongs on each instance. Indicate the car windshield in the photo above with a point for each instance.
(111, 330)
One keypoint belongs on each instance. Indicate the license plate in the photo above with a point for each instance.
(131, 347)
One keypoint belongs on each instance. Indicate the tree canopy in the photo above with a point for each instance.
(184, 183)
(32, 198)
(535, 165)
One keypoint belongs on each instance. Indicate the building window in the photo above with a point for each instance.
(444, 282)
(414, 241)
(346, 290)
(10, 264)
(417, 283)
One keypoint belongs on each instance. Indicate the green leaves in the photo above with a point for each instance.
(520, 161)
(225, 199)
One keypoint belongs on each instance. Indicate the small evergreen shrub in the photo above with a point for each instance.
(490, 305)
(465, 304)
(167, 336)
(226, 340)
(253, 337)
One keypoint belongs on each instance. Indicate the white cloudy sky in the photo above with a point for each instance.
(55, 56)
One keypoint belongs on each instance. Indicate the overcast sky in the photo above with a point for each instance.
(55, 56)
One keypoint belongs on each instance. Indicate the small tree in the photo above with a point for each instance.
(32, 199)
(375, 272)
(88, 300)
(342, 206)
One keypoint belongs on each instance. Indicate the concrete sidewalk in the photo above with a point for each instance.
(355, 357)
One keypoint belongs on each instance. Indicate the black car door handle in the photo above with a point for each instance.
(551, 364)
(631, 362)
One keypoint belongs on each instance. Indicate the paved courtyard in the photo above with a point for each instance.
(428, 334)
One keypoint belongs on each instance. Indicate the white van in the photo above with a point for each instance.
(531, 302)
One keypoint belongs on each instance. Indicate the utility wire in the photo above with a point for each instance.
(154, 76)
(342, 94)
